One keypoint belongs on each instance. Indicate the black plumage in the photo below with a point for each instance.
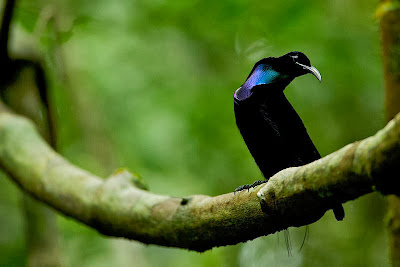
(272, 130)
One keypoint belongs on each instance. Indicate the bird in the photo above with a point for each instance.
(271, 128)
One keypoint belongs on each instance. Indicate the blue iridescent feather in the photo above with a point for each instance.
(262, 74)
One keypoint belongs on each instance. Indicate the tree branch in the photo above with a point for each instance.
(41, 233)
(117, 207)
(389, 15)
(5, 28)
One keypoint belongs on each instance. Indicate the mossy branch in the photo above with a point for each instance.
(389, 21)
(116, 207)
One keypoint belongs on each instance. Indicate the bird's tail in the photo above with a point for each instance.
(339, 212)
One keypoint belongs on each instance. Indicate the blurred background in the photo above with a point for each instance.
(148, 85)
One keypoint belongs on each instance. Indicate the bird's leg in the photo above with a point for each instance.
(249, 186)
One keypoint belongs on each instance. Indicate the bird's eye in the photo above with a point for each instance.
(295, 58)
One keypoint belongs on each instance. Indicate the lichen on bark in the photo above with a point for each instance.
(117, 207)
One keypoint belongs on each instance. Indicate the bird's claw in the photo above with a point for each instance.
(249, 186)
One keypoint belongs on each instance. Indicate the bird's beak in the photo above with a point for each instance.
(311, 70)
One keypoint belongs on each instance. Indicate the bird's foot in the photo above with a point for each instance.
(249, 186)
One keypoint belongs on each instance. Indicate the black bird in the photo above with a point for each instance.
(272, 130)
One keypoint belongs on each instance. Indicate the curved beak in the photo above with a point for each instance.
(311, 70)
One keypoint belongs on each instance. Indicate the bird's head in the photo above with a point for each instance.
(278, 71)
(294, 64)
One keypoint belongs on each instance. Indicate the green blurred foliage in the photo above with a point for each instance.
(148, 85)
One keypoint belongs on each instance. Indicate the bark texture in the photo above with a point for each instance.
(118, 207)
(389, 13)
(20, 88)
